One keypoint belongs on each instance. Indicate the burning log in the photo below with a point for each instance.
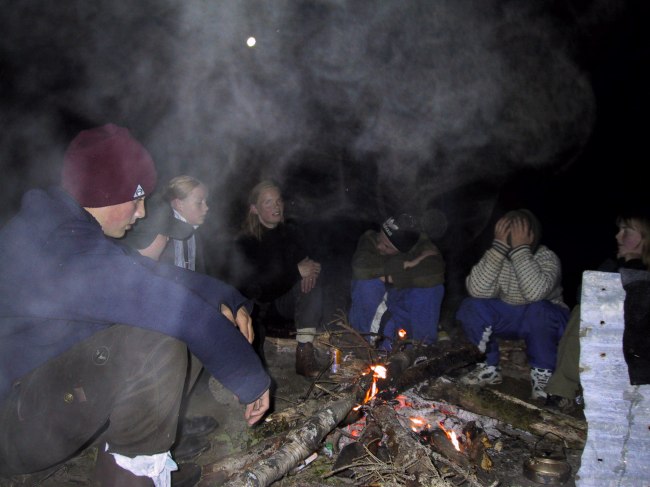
(276, 458)
(368, 443)
(406, 449)
(509, 410)
(417, 364)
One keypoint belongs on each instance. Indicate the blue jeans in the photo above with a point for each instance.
(416, 310)
(540, 324)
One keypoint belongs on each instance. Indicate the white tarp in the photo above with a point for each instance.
(617, 452)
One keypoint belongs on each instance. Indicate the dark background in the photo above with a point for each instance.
(453, 110)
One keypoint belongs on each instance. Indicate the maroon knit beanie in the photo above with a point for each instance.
(106, 166)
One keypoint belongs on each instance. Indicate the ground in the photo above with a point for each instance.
(232, 435)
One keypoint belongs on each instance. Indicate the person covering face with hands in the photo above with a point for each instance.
(515, 293)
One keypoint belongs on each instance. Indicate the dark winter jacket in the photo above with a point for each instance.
(271, 264)
(62, 279)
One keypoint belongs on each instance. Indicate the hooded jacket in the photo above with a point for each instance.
(62, 280)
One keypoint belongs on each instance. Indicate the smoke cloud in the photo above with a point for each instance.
(356, 106)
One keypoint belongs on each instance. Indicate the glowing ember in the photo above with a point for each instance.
(418, 424)
(401, 333)
(403, 402)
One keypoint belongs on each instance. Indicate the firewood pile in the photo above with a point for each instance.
(392, 420)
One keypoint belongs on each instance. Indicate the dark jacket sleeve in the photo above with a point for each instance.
(104, 283)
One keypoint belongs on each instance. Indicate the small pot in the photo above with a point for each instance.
(548, 468)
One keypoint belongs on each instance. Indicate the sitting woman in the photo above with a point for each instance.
(279, 273)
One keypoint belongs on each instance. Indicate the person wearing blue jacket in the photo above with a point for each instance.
(93, 336)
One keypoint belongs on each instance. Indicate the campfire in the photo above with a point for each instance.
(388, 420)
(435, 425)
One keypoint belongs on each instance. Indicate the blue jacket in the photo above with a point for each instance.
(62, 279)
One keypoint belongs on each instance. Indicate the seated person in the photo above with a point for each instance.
(515, 293)
(188, 198)
(398, 283)
(95, 337)
(279, 273)
(633, 252)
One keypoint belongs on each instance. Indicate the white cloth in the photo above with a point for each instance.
(376, 320)
(158, 467)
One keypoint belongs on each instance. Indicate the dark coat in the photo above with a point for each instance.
(62, 280)
(270, 266)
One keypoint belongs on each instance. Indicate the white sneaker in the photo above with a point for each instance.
(539, 378)
(483, 375)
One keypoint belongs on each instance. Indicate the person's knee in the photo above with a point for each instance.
(145, 415)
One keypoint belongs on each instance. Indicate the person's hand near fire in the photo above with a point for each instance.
(255, 410)
(309, 271)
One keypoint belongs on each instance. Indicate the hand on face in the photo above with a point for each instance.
(384, 245)
(502, 230)
(520, 232)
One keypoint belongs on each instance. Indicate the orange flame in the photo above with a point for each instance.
(378, 372)
(401, 333)
(451, 435)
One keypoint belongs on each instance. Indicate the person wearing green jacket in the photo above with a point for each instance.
(398, 284)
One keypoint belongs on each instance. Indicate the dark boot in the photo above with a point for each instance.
(306, 361)
(189, 447)
(109, 474)
(187, 475)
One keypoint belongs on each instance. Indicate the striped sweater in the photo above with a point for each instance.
(517, 276)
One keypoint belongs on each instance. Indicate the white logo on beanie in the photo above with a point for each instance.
(390, 226)
(139, 192)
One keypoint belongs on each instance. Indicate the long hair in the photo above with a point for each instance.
(642, 225)
(251, 224)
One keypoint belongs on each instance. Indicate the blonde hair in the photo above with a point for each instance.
(251, 224)
(180, 187)
(641, 225)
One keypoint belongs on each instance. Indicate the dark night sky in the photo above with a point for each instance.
(454, 110)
